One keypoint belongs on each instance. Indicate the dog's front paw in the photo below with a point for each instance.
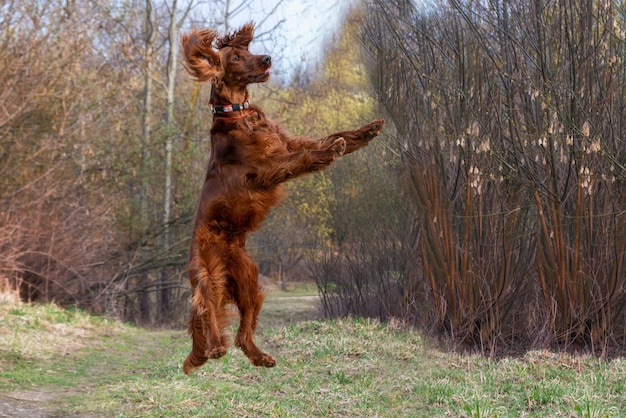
(372, 129)
(338, 147)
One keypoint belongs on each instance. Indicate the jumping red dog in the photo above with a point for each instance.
(250, 157)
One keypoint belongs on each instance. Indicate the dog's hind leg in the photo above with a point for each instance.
(207, 314)
(197, 357)
(249, 298)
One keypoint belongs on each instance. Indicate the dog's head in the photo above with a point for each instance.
(228, 62)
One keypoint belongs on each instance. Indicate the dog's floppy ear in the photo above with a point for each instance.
(201, 60)
(241, 38)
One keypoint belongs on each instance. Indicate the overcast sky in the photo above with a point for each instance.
(305, 26)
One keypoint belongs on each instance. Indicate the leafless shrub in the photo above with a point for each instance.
(365, 276)
(511, 115)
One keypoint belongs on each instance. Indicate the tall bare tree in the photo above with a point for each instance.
(171, 133)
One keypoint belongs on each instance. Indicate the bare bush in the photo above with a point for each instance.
(511, 115)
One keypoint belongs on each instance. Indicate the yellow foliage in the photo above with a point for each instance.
(337, 99)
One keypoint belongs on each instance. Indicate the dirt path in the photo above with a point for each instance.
(33, 403)
(29, 403)
(48, 401)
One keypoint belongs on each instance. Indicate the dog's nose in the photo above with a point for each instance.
(267, 60)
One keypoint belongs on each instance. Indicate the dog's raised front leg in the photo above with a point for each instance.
(288, 166)
(357, 138)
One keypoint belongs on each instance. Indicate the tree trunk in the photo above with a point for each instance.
(149, 38)
(163, 307)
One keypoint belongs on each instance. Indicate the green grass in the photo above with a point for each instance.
(69, 363)
(298, 304)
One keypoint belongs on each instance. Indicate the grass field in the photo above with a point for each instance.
(56, 362)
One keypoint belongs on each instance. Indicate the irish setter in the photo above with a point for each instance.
(251, 156)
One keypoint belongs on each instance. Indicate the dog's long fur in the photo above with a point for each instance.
(250, 157)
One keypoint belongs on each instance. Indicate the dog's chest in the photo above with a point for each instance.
(265, 142)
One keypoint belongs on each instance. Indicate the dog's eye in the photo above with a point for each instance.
(236, 57)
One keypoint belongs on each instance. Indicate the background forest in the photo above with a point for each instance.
(493, 210)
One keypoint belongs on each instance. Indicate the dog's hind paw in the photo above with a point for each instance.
(265, 360)
(188, 368)
(216, 352)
